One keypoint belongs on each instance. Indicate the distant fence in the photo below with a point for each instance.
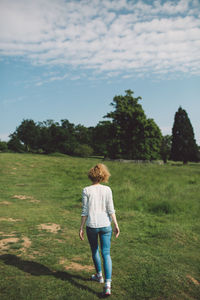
(136, 161)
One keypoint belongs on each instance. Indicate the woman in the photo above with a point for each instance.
(98, 212)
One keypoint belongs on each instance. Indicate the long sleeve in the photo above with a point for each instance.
(97, 205)
(109, 203)
(84, 204)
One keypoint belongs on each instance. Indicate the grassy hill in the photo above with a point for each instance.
(41, 257)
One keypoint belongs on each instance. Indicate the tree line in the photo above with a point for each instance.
(126, 133)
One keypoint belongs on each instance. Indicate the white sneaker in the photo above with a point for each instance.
(107, 291)
(97, 278)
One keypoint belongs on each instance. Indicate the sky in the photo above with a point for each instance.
(64, 59)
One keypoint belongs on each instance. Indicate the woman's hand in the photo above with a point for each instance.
(116, 231)
(116, 228)
(81, 234)
(81, 231)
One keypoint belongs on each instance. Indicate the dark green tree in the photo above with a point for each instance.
(102, 138)
(184, 147)
(45, 139)
(70, 142)
(14, 144)
(28, 133)
(3, 146)
(55, 137)
(165, 149)
(198, 154)
(82, 134)
(135, 136)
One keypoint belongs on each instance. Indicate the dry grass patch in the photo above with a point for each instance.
(5, 203)
(196, 282)
(34, 201)
(11, 239)
(4, 243)
(21, 197)
(10, 219)
(77, 258)
(24, 197)
(75, 266)
(51, 227)
(7, 234)
(26, 244)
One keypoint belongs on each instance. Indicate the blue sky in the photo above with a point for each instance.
(68, 59)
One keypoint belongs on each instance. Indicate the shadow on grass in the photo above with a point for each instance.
(37, 269)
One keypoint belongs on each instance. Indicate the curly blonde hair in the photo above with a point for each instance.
(99, 173)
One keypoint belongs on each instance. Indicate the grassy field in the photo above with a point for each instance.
(41, 257)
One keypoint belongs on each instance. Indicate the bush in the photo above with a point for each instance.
(57, 154)
(3, 146)
(83, 150)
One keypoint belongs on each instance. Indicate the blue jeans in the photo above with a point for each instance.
(105, 234)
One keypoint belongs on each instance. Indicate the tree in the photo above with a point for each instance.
(57, 138)
(45, 140)
(151, 142)
(198, 155)
(165, 149)
(82, 134)
(3, 146)
(70, 142)
(50, 136)
(14, 143)
(101, 138)
(28, 133)
(135, 136)
(184, 147)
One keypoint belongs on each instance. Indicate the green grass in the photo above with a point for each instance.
(155, 257)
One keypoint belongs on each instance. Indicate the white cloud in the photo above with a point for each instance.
(103, 35)
(50, 79)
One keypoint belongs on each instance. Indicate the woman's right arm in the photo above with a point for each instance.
(84, 214)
